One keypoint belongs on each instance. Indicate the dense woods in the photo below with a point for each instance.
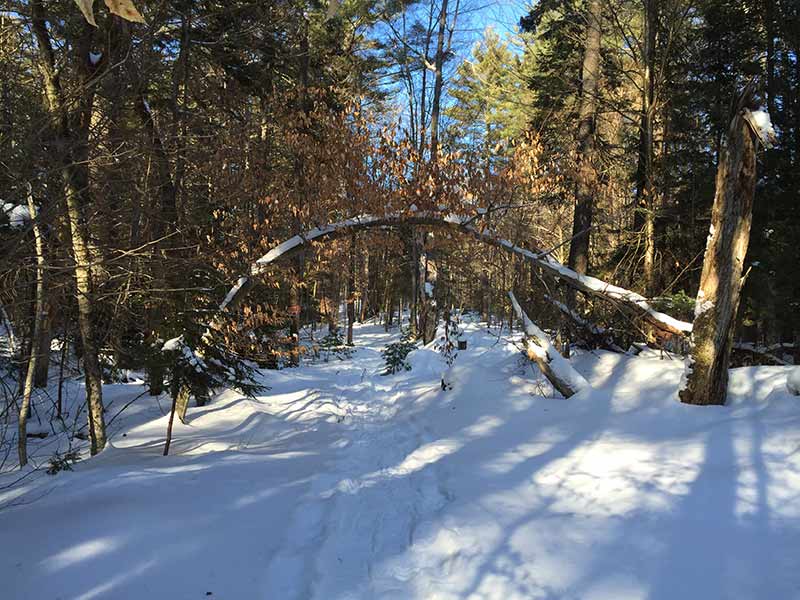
(149, 158)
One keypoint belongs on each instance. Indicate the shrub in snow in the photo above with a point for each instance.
(63, 462)
(679, 304)
(793, 381)
(204, 366)
(335, 345)
(448, 348)
(395, 354)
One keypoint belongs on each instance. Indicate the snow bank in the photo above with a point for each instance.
(339, 483)
(793, 381)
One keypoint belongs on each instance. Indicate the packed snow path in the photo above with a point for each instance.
(339, 483)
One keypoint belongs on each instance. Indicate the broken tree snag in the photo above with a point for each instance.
(553, 366)
(721, 281)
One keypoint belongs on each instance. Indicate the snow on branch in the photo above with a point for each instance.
(555, 367)
(234, 292)
(625, 299)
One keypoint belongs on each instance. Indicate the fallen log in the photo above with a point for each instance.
(765, 352)
(552, 365)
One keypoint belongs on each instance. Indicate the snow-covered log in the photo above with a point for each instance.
(553, 366)
(632, 303)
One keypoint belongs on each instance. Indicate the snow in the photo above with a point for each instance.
(793, 381)
(232, 292)
(762, 124)
(539, 344)
(340, 483)
(298, 240)
(702, 305)
(188, 355)
(173, 344)
(18, 215)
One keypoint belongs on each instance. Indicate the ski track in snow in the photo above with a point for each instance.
(368, 504)
(342, 484)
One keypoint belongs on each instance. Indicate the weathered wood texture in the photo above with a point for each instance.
(726, 247)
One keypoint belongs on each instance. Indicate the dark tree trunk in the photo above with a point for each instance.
(438, 82)
(644, 217)
(42, 371)
(586, 176)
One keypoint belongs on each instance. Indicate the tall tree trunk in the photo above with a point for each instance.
(180, 79)
(586, 176)
(769, 30)
(644, 217)
(75, 185)
(438, 82)
(38, 320)
(167, 214)
(351, 291)
(423, 94)
(42, 372)
(797, 100)
(305, 105)
(726, 248)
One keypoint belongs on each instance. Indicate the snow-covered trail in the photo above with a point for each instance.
(339, 483)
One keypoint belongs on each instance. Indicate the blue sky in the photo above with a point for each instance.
(503, 15)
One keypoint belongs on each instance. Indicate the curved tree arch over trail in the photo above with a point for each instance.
(630, 302)
(627, 301)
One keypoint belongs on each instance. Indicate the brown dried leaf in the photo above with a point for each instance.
(86, 9)
(125, 9)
